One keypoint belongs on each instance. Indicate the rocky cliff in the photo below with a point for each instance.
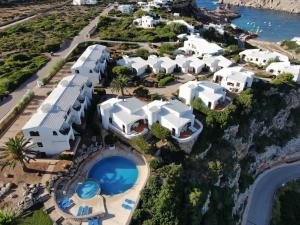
(292, 6)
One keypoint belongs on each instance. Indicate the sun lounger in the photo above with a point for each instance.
(90, 221)
(96, 221)
(125, 206)
(79, 212)
(128, 201)
(85, 210)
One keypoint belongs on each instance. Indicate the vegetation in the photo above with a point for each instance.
(164, 81)
(160, 132)
(7, 217)
(141, 92)
(167, 48)
(287, 205)
(119, 83)
(139, 143)
(123, 30)
(39, 217)
(59, 64)
(23, 45)
(125, 46)
(16, 150)
(141, 52)
(292, 45)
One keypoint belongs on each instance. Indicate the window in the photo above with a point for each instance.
(34, 133)
(91, 71)
(40, 144)
(110, 119)
(76, 71)
(237, 84)
(54, 133)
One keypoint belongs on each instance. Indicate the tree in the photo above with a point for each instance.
(160, 132)
(16, 150)
(245, 99)
(122, 71)
(143, 53)
(141, 91)
(119, 83)
(7, 217)
(140, 144)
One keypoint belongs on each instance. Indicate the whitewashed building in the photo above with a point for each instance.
(176, 117)
(189, 64)
(215, 63)
(50, 128)
(146, 22)
(212, 95)
(127, 9)
(137, 64)
(235, 79)
(199, 47)
(262, 58)
(189, 27)
(84, 2)
(296, 39)
(124, 116)
(92, 63)
(277, 68)
(218, 27)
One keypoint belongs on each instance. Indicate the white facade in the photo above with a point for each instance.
(146, 22)
(137, 64)
(190, 27)
(296, 39)
(215, 63)
(50, 128)
(234, 79)
(124, 116)
(218, 27)
(84, 2)
(125, 8)
(211, 94)
(200, 47)
(262, 58)
(189, 64)
(277, 68)
(92, 63)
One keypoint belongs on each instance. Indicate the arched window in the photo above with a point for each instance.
(54, 133)
(34, 133)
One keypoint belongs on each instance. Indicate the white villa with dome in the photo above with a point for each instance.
(50, 128)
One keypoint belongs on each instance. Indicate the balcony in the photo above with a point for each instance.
(223, 104)
(191, 133)
(140, 128)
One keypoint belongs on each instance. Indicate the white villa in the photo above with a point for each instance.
(215, 63)
(262, 58)
(92, 63)
(189, 64)
(137, 64)
(235, 79)
(200, 47)
(277, 68)
(212, 95)
(190, 27)
(84, 2)
(124, 116)
(131, 117)
(146, 22)
(218, 27)
(125, 9)
(50, 128)
(296, 39)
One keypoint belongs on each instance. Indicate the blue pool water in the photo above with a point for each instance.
(88, 189)
(115, 174)
(272, 25)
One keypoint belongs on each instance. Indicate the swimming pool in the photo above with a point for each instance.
(88, 189)
(116, 174)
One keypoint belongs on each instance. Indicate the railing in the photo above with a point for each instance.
(192, 136)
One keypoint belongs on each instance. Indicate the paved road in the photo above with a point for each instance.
(16, 95)
(259, 207)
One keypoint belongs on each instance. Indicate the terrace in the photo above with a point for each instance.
(190, 133)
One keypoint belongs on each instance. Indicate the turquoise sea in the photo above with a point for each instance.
(271, 25)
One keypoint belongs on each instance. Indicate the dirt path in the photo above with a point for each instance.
(272, 46)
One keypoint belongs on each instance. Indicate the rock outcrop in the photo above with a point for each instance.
(292, 6)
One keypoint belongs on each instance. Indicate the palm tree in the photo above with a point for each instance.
(119, 83)
(16, 150)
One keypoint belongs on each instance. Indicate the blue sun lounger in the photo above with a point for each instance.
(90, 221)
(85, 210)
(79, 212)
(125, 206)
(128, 201)
(96, 221)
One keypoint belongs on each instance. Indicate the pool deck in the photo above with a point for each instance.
(111, 206)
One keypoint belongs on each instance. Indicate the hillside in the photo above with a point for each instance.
(292, 6)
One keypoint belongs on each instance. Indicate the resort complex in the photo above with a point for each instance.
(155, 112)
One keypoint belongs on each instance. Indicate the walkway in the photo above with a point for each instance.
(259, 208)
(15, 96)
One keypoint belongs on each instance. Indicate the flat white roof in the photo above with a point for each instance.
(52, 112)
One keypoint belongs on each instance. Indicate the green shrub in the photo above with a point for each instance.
(237, 58)
(140, 144)
(38, 218)
(141, 52)
(100, 91)
(141, 91)
(156, 163)
(163, 82)
(126, 46)
(7, 217)
(64, 156)
(160, 132)
(167, 48)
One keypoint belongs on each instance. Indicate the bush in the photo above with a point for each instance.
(38, 218)
(122, 71)
(110, 139)
(141, 52)
(141, 91)
(160, 132)
(7, 217)
(126, 46)
(100, 91)
(64, 156)
(164, 81)
(58, 65)
(156, 163)
(237, 58)
(167, 48)
(140, 144)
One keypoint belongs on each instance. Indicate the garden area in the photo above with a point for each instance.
(25, 46)
(122, 29)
